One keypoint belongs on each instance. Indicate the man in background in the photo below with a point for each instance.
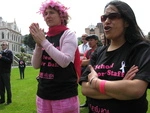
(84, 46)
(92, 41)
(6, 59)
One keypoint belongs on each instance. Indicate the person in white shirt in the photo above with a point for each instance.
(84, 46)
(82, 49)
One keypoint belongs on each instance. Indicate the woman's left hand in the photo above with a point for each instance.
(131, 73)
(93, 73)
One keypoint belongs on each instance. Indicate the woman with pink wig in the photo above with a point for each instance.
(56, 55)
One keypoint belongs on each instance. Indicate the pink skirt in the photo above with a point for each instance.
(69, 105)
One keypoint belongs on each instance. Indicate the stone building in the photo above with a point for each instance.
(97, 30)
(10, 32)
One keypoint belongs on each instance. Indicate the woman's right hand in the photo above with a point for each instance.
(131, 73)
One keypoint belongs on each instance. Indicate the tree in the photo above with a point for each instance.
(28, 41)
(22, 49)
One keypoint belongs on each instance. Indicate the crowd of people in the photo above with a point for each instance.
(114, 77)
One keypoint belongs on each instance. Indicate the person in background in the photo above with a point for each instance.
(118, 75)
(21, 66)
(84, 46)
(102, 39)
(6, 59)
(82, 49)
(56, 55)
(92, 40)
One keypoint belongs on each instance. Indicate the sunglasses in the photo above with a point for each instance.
(111, 16)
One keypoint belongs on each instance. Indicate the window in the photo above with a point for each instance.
(8, 35)
(2, 35)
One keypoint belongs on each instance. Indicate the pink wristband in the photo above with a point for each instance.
(102, 86)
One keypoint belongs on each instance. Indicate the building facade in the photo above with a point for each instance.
(10, 32)
(97, 30)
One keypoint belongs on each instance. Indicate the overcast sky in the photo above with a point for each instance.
(82, 12)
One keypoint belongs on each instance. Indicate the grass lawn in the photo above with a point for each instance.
(24, 92)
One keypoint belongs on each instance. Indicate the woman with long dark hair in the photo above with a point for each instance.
(119, 74)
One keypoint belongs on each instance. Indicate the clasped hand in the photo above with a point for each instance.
(37, 33)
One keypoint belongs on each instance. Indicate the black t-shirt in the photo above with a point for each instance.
(113, 65)
(55, 82)
(22, 64)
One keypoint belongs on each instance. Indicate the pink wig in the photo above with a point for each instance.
(56, 5)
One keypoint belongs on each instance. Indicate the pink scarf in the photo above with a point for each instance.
(56, 30)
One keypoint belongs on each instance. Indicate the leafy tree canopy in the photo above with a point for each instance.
(28, 40)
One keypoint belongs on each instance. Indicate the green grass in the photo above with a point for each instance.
(24, 93)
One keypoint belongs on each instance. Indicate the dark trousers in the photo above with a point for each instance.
(21, 70)
(5, 84)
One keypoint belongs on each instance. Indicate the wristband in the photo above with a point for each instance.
(102, 86)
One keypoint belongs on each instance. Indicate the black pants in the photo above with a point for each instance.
(21, 70)
(5, 84)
